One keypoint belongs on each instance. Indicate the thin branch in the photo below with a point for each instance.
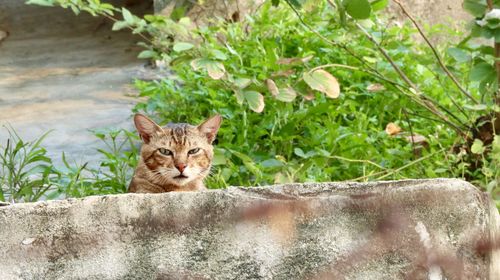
(411, 132)
(410, 164)
(358, 161)
(426, 101)
(460, 108)
(377, 75)
(434, 51)
(328, 40)
(388, 58)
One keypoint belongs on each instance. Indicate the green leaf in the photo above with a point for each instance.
(239, 97)
(477, 147)
(128, 17)
(459, 55)
(299, 152)
(476, 107)
(294, 3)
(119, 25)
(146, 54)
(182, 46)
(275, 3)
(323, 81)
(378, 5)
(219, 55)
(255, 100)
(481, 71)
(475, 7)
(358, 9)
(242, 83)
(286, 94)
(219, 157)
(47, 3)
(271, 163)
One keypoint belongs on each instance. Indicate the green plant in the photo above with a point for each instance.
(119, 159)
(24, 169)
(28, 174)
(307, 89)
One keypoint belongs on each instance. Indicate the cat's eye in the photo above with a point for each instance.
(164, 151)
(193, 151)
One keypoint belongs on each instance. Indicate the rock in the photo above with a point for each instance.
(415, 229)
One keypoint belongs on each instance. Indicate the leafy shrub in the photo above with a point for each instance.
(28, 174)
(20, 163)
(326, 91)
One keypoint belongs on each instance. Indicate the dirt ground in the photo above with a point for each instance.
(65, 73)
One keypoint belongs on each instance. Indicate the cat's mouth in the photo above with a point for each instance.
(180, 177)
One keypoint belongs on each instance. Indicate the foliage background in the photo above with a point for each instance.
(310, 91)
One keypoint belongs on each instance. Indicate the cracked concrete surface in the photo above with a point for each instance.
(412, 229)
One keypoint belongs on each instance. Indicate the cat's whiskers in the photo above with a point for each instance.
(168, 150)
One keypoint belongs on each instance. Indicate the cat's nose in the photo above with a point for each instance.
(180, 167)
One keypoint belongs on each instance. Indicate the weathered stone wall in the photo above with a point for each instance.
(426, 229)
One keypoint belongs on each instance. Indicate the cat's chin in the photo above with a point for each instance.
(180, 180)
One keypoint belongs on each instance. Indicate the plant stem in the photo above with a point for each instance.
(357, 160)
(409, 164)
(333, 43)
(434, 51)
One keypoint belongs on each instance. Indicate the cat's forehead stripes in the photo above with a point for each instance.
(179, 132)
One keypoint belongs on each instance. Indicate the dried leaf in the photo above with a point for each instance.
(309, 96)
(271, 86)
(392, 129)
(417, 139)
(284, 73)
(215, 69)
(307, 58)
(375, 88)
(182, 46)
(294, 60)
(323, 81)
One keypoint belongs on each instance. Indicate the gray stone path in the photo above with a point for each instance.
(66, 73)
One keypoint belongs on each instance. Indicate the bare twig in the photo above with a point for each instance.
(411, 131)
(434, 51)
(377, 75)
(330, 41)
(409, 164)
(358, 161)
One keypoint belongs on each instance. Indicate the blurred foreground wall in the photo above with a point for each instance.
(417, 229)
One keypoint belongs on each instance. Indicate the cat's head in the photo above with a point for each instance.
(179, 153)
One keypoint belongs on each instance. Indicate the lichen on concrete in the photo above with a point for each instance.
(389, 230)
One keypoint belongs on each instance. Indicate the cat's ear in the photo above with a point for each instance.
(210, 127)
(146, 127)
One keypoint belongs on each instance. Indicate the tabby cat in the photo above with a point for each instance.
(174, 158)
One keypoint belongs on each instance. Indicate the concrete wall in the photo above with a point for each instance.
(426, 229)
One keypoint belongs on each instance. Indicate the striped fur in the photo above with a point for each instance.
(177, 157)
